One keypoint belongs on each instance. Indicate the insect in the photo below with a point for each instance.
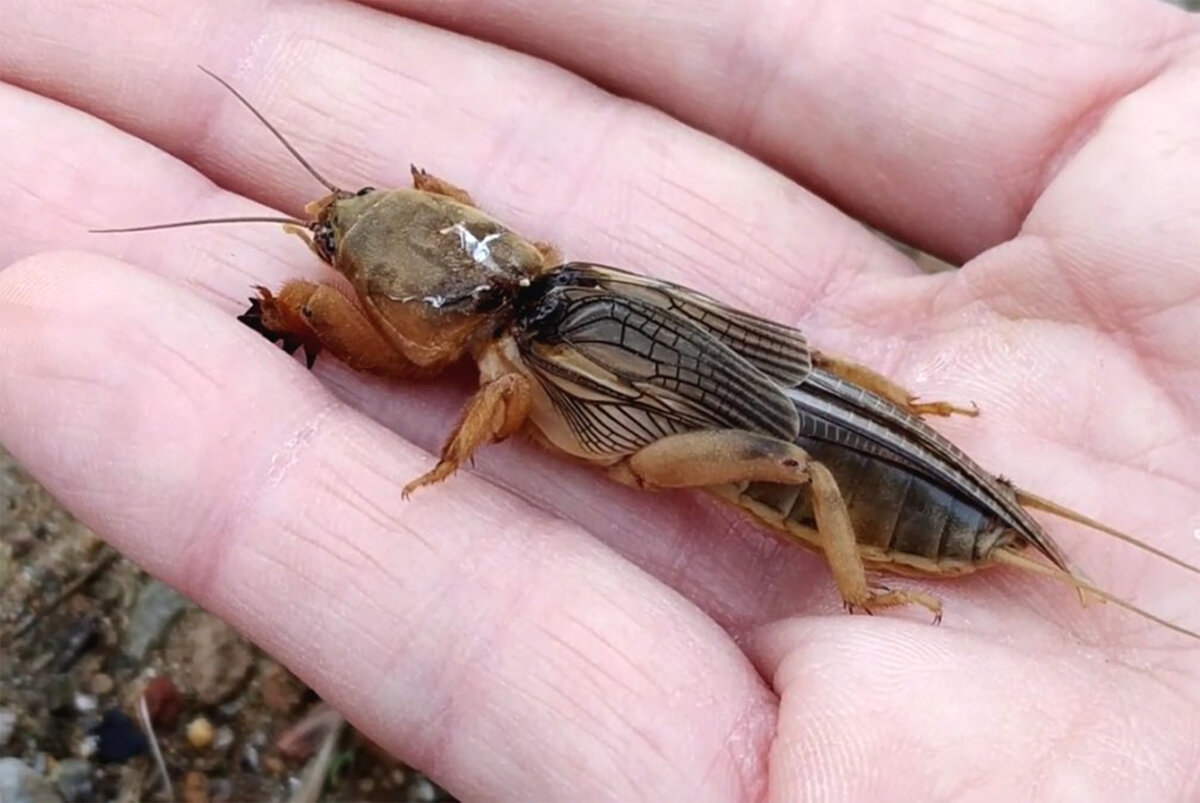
(658, 385)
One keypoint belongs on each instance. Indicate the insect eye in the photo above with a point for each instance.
(365, 191)
(323, 240)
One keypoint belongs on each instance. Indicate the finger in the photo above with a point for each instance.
(74, 172)
(1124, 262)
(937, 122)
(604, 179)
(1069, 718)
(738, 574)
(475, 637)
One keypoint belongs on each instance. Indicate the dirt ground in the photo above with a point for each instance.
(85, 637)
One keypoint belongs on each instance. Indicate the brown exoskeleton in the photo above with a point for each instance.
(660, 386)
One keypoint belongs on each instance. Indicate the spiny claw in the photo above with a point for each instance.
(940, 408)
(253, 317)
(441, 471)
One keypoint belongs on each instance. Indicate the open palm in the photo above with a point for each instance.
(528, 626)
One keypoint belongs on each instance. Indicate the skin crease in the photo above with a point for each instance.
(527, 629)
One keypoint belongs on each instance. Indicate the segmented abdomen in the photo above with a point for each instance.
(898, 516)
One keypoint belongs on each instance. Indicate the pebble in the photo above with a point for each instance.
(223, 739)
(220, 789)
(163, 702)
(195, 787)
(422, 789)
(100, 684)
(84, 703)
(79, 637)
(200, 733)
(87, 746)
(74, 779)
(280, 690)
(8, 562)
(8, 724)
(250, 758)
(19, 783)
(60, 692)
(157, 606)
(215, 659)
(118, 739)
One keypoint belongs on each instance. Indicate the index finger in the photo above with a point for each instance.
(937, 122)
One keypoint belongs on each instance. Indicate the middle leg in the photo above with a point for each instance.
(498, 409)
(885, 388)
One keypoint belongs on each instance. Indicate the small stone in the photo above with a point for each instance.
(274, 765)
(280, 690)
(79, 637)
(87, 746)
(8, 724)
(230, 708)
(195, 787)
(100, 684)
(60, 693)
(8, 562)
(224, 738)
(74, 779)
(84, 703)
(366, 786)
(220, 789)
(250, 760)
(200, 733)
(19, 783)
(216, 660)
(118, 739)
(163, 702)
(157, 605)
(422, 789)
(131, 783)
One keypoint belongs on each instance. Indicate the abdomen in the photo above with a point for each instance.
(900, 518)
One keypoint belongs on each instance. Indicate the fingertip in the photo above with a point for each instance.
(32, 279)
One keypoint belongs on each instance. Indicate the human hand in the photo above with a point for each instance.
(529, 628)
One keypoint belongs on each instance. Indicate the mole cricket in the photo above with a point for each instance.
(657, 385)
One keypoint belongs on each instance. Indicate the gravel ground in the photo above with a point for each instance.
(85, 636)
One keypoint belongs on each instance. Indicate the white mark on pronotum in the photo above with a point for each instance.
(475, 247)
(437, 302)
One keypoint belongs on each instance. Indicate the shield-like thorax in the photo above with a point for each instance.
(430, 270)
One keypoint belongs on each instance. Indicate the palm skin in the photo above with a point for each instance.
(528, 628)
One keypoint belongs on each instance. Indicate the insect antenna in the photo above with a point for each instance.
(1045, 505)
(312, 171)
(1026, 564)
(287, 221)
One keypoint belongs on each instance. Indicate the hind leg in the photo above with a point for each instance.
(719, 457)
(841, 550)
(885, 388)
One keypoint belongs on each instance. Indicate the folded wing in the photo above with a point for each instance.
(627, 361)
